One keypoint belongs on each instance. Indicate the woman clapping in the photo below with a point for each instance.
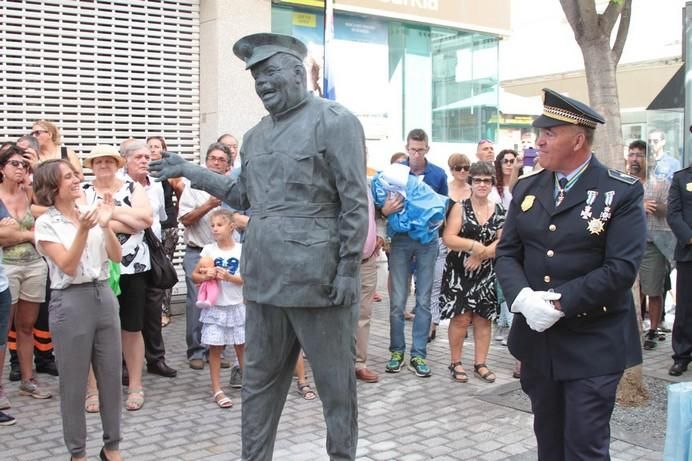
(83, 309)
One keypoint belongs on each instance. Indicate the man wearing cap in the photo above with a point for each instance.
(569, 254)
(303, 175)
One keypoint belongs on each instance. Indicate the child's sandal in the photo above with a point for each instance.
(222, 401)
(305, 390)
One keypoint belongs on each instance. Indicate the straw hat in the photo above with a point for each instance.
(104, 150)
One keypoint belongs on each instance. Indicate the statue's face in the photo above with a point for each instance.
(279, 82)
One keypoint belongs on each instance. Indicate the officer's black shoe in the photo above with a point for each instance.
(47, 367)
(160, 368)
(678, 368)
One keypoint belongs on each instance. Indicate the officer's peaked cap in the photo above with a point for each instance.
(256, 48)
(563, 110)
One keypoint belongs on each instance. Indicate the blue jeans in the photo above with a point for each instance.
(403, 249)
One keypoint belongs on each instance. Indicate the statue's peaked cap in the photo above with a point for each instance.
(256, 48)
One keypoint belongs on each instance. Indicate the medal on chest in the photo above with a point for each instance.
(597, 225)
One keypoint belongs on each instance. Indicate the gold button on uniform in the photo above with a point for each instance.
(550, 253)
(552, 228)
(546, 279)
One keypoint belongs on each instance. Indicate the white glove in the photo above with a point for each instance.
(535, 306)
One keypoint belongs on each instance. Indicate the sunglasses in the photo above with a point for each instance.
(508, 161)
(482, 181)
(459, 168)
(19, 163)
(36, 133)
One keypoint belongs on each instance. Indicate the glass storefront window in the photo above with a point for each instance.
(465, 86)
(398, 76)
(665, 141)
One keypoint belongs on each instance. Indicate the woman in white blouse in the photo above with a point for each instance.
(83, 309)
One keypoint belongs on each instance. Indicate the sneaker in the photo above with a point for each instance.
(4, 401)
(396, 362)
(30, 388)
(419, 367)
(6, 420)
(236, 381)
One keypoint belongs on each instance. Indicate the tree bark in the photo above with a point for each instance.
(632, 391)
(592, 32)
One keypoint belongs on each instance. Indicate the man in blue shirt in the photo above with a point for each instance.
(403, 250)
(665, 163)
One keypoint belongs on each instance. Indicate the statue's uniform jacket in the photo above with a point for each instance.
(303, 177)
(545, 247)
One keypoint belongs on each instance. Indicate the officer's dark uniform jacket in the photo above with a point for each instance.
(592, 265)
(679, 214)
(303, 176)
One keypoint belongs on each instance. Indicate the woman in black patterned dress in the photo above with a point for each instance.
(468, 293)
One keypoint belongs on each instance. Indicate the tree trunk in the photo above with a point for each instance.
(631, 390)
(603, 95)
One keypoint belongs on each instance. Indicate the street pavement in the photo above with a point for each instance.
(402, 418)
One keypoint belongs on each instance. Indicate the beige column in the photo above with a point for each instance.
(228, 103)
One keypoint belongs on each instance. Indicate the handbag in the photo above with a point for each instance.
(162, 274)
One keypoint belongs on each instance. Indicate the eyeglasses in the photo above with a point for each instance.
(36, 133)
(482, 181)
(19, 163)
(508, 161)
(417, 151)
(213, 158)
(459, 168)
(654, 141)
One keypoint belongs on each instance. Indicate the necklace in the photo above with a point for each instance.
(482, 211)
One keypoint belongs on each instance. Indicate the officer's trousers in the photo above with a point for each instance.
(274, 336)
(682, 327)
(571, 418)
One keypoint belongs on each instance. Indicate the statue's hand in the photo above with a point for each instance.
(344, 290)
(170, 166)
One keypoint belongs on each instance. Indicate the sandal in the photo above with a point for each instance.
(135, 400)
(222, 401)
(305, 390)
(458, 376)
(488, 376)
(91, 403)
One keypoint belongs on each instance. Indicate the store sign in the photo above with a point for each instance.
(493, 15)
(486, 14)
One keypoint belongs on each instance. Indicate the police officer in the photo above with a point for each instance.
(569, 254)
(679, 218)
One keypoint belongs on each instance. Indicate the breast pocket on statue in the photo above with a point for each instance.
(297, 168)
(310, 257)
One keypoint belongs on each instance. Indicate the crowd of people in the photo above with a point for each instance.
(75, 297)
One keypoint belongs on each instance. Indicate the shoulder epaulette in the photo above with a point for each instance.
(529, 174)
(622, 177)
(680, 171)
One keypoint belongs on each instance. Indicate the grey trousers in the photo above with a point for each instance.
(86, 331)
(274, 336)
(193, 327)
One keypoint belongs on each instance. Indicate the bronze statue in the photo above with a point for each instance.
(303, 177)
